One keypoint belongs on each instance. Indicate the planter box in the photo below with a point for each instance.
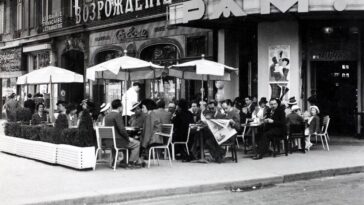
(76, 157)
(28, 148)
(8, 144)
(43, 151)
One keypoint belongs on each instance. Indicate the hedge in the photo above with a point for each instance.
(69, 136)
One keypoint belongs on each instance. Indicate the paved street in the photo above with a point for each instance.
(28, 181)
(338, 190)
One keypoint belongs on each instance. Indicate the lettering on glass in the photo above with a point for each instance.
(131, 34)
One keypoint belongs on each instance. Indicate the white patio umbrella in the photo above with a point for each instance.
(50, 75)
(125, 68)
(202, 70)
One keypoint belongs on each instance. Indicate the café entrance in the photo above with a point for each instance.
(336, 90)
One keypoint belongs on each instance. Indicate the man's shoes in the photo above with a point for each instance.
(257, 157)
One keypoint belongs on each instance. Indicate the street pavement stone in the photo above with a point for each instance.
(28, 181)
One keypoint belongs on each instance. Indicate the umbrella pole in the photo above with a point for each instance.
(202, 89)
(51, 111)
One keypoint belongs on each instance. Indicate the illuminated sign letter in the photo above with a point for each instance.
(283, 5)
(193, 10)
(129, 6)
(118, 7)
(226, 7)
(100, 6)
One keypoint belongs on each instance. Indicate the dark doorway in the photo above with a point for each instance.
(73, 60)
(336, 88)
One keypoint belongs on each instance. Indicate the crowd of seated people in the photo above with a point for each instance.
(149, 115)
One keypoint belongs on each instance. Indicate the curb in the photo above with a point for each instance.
(147, 194)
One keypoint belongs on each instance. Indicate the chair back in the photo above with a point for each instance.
(297, 130)
(244, 127)
(103, 133)
(325, 124)
(167, 131)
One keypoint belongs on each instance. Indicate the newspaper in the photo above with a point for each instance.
(220, 128)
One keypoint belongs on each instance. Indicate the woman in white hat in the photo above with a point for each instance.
(104, 109)
(313, 125)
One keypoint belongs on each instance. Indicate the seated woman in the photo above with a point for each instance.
(40, 116)
(313, 125)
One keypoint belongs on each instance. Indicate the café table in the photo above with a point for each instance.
(254, 129)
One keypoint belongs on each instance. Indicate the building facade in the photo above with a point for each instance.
(291, 48)
(77, 34)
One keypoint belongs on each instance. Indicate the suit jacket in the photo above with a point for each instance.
(234, 115)
(279, 120)
(115, 120)
(163, 116)
(181, 124)
(293, 119)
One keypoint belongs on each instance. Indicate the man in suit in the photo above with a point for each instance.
(275, 127)
(249, 106)
(29, 103)
(232, 114)
(161, 114)
(196, 112)
(115, 119)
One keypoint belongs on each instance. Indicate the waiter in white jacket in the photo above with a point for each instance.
(129, 99)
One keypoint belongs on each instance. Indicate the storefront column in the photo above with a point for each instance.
(228, 53)
(275, 38)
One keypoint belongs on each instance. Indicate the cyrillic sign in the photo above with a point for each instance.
(110, 8)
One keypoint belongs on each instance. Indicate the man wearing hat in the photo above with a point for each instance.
(294, 118)
(137, 120)
(104, 109)
(292, 101)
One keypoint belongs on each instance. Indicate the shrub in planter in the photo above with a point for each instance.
(31, 132)
(13, 129)
(47, 134)
(24, 115)
(70, 137)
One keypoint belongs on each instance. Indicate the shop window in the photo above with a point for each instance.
(106, 55)
(40, 59)
(165, 55)
(196, 46)
(19, 15)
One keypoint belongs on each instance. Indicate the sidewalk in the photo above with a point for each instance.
(25, 181)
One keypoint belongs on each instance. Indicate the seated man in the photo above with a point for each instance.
(295, 118)
(275, 127)
(115, 119)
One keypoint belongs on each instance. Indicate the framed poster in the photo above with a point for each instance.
(279, 71)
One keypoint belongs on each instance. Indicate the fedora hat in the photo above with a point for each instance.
(292, 101)
(135, 105)
(104, 107)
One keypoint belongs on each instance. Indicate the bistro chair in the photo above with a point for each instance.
(324, 134)
(296, 132)
(231, 144)
(182, 143)
(108, 133)
(167, 132)
(242, 136)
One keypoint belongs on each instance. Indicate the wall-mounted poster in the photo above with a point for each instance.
(279, 70)
(279, 67)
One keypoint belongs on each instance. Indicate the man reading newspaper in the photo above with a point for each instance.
(222, 124)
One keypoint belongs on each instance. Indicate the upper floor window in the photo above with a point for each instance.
(19, 15)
